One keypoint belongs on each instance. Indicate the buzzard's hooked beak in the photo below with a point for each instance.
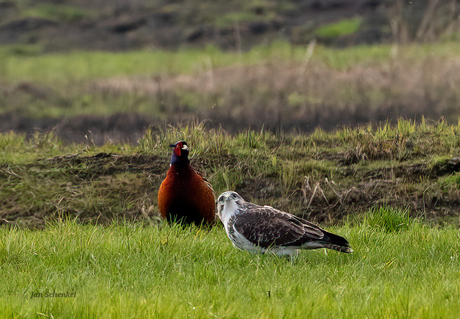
(221, 204)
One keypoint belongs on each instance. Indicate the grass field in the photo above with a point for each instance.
(81, 218)
(391, 191)
(27, 63)
(276, 85)
(134, 270)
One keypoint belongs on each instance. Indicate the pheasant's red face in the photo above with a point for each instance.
(177, 149)
(180, 153)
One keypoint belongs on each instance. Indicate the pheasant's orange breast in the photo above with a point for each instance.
(185, 195)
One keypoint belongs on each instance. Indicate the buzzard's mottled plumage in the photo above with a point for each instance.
(258, 229)
(184, 195)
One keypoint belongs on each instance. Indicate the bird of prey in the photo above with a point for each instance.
(184, 196)
(261, 229)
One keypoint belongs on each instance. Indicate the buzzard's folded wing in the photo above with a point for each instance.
(266, 226)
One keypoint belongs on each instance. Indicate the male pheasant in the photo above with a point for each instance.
(184, 196)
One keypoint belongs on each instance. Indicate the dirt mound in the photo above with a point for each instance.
(104, 186)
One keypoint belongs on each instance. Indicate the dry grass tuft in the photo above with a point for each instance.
(292, 95)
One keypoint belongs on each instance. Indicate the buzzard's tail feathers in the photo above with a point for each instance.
(338, 248)
(338, 243)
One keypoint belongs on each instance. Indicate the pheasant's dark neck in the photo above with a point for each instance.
(179, 159)
(179, 167)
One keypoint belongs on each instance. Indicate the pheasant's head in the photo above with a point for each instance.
(180, 153)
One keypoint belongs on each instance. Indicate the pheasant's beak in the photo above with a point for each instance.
(179, 147)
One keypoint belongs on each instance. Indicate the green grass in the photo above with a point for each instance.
(101, 241)
(76, 66)
(132, 270)
(61, 13)
(388, 219)
(341, 28)
(450, 182)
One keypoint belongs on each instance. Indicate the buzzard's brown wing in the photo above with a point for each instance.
(265, 226)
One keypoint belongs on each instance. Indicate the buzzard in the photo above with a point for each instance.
(184, 196)
(261, 229)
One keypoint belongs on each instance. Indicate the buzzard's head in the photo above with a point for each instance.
(227, 204)
(180, 153)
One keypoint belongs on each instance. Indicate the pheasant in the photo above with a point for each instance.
(184, 196)
(262, 229)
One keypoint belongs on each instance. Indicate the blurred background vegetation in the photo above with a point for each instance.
(115, 67)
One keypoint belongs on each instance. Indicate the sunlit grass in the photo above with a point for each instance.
(401, 267)
(133, 270)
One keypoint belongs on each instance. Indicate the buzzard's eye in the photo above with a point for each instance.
(221, 199)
